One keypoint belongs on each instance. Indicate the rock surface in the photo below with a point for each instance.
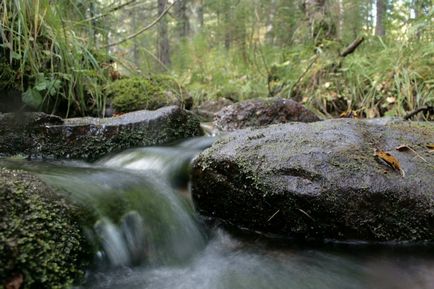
(41, 242)
(321, 181)
(209, 108)
(41, 135)
(261, 112)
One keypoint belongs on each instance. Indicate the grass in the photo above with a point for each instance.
(54, 69)
(380, 78)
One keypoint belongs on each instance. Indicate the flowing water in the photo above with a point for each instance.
(148, 235)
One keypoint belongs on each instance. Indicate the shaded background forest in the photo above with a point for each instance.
(75, 57)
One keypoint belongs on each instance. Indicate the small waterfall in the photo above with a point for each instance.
(138, 218)
(147, 235)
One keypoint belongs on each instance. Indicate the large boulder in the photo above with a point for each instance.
(41, 135)
(41, 243)
(321, 180)
(261, 112)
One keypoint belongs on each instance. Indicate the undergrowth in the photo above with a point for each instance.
(54, 70)
(380, 78)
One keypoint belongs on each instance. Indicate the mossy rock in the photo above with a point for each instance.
(262, 112)
(40, 237)
(138, 93)
(321, 180)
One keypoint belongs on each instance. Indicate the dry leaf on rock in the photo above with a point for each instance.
(390, 160)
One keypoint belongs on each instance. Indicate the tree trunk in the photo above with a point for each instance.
(341, 19)
(183, 22)
(163, 46)
(269, 23)
(320, 27)
(381, 11)
(133, 16)
(228, 27)
(200, 13)
(92, 14)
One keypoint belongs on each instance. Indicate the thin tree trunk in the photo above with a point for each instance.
(379, 25)
(200, 12)
(341, 19)
(163, 46)
(320, 27)
(92, 14)
(183, 25)
(269, 24)
(228, 27)
(133, 15)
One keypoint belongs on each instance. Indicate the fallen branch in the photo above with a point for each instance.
(425, 109)
(143, 29)
(352, 47)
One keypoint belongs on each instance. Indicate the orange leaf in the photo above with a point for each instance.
(389, 159)
(349, 114)
(430, 146)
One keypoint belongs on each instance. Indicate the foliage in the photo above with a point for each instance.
(234, 49)
(39, 237)
(371, 81)
(54, 69)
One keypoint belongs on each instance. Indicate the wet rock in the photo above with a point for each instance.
(41, 243)
(208, 109)
(261, 112)
(40, 135)
(17, 131)
(321, 180)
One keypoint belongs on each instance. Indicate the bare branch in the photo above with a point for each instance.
(352, 47)
(110, 11)
(135, 34)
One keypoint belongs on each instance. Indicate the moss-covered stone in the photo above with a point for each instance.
(39, 135)
(40, 237)
(137, 93)
(321, 181)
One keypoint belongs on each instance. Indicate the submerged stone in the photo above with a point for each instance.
(41, 243)
(41, 135)
(321, 180)
(262, 112)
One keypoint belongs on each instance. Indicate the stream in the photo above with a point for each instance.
(149, 236)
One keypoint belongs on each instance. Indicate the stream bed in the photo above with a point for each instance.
(149, 236)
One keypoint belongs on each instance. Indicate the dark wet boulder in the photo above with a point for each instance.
(91, 138)
(209, 108)
(321, 180)
(261, 112)
(41, 243)
(18, 130)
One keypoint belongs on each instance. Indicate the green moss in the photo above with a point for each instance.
(150, 93)
(39, 235)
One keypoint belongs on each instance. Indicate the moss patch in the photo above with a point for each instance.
(138, 93)
(39, 235)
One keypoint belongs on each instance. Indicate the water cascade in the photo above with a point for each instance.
(148, 236)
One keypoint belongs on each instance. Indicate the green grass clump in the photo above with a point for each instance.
(54, 70)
